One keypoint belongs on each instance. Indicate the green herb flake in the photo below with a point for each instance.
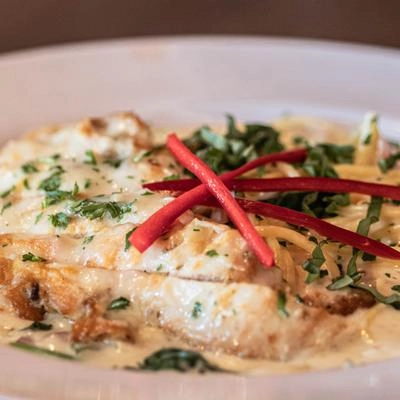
(40, 350)
(38, 217)
(7, 192)
(127, 236)
(114, 162)
(60, 220)
(87, 184)
(51, 183)
(32, 257)
(212, 253)
(313, 265)
(29, 168)
(139, 157)
(281, 304)
(147, 193)
(121, 303)
(39, 326)
(92, 209)
(88, 239)
(5, 206)
(197, 310)
(26, 184)
(178, 360)
(90, 158)
(389, 162)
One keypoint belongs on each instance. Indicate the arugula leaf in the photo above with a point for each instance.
(41, 350)
(178, 360)
(93, 209)
(119, 304)
(59, 220)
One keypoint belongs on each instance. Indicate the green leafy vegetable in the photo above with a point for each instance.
(90, 158)
(94, 209)
(178, 360)
(313, 265)
(59, 220)
(40, 350)
(212, 253)
(51, 183)
(119, 304)
(39, 326)
(31, 257)
(197, 310)
(7, 192)
(29, 168)
(114, 162)
(236, 147)
(281, 304)
(127, 236)
(389, 162)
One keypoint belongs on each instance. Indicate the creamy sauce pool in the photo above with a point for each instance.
(377, 341)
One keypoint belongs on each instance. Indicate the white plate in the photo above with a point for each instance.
(176, 82)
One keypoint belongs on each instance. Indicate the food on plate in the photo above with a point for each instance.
(266, 248)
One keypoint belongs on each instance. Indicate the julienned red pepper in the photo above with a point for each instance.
(287, 184)
(158, 223)
(322, 227)
(217, 188)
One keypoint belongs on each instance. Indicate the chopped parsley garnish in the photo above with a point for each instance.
(223, 153)
(212, 253)
(58, 196)
(7, 192)
(52, 183)
(41, 350)
(92, 209)
(121, 303)
(49, 159)
(26, 184)
(88, 239)
(197, 310)
(127, 236)
(32, 257)
(29, 168)
(178, 360)
(5, 206)
(281, 304)
(139, 157)
(389, 162)
(87, 184)
(38, 217)
(147, 193)
(60, 220)
(114, 162)
(90, 158)
(39, 326)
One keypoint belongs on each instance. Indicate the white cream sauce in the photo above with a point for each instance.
(377, 341)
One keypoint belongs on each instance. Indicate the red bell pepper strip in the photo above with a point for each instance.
(158, 223)
(287, 184)
(320, 226)
(217, 188)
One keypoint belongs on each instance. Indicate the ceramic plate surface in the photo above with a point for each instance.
(175, 82)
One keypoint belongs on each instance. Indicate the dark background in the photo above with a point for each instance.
(29, 23)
